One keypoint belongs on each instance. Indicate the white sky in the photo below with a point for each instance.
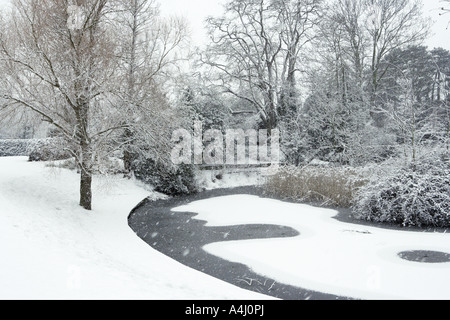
(197, 10)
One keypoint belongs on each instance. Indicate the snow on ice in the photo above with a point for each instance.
(328, 256)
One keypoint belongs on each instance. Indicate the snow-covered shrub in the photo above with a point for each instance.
(22, 147)
(407, 194)
(14, 147)
(166, 179)
(49, 150)
(333, 186)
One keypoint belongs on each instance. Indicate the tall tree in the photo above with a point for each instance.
(149, 48)
(391, 25)
(298, 20)
(255, 50)
(348, 20)
(441, 66)
(57, 58)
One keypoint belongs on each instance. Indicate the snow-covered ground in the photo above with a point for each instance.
(328, 256)
(50, 248)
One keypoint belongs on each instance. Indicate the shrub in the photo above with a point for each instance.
(15, 147)
(36, 149)
(407, 194)
(324, 185)
(48, 150)
(172, 181)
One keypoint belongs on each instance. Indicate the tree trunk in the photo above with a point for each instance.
(86, 177)
(85, 190)
(127, 154)
(85, 162)
(127, 162)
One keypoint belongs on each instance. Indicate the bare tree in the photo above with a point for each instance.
(361, 34)
(298, 20)
(150, 45)
(255, 50)
(57, 60)
(92, 69)
(391, 25)
(349, 20)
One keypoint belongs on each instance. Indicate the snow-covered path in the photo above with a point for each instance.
(50, 248)
(328, 256)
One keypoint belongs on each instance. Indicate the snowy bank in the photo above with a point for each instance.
(53, 249)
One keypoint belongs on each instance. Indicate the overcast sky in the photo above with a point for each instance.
(197, 10)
